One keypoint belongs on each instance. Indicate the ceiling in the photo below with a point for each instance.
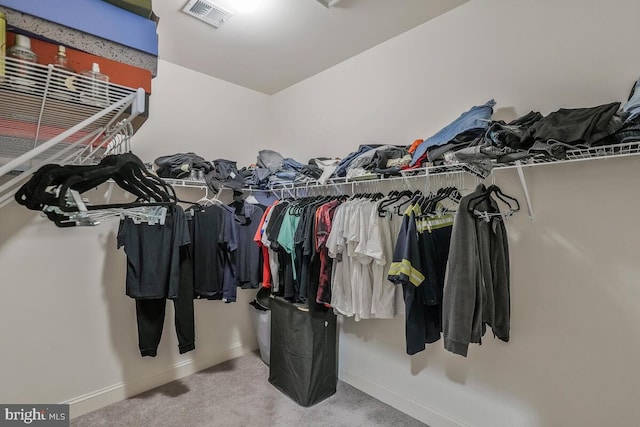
(269, 45)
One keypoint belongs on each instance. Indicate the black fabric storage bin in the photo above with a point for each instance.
(304, 360)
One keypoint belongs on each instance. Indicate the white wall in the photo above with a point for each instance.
(573, 357)
(68, 331)
(190, 111)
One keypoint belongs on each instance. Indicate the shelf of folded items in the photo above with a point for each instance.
(572, 155)
(580, 154)
(49, 115)
(373, 178)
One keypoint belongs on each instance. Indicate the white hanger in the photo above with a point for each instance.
(206, 200)
(251, 199)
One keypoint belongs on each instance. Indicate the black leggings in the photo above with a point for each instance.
(150, 313)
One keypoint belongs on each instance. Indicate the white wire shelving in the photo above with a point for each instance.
(575, 155)
(446, 171)
(50, 115)
(581, 154)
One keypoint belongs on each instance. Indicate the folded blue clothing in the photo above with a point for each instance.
(477, 117)
(632, 106)
(341, 169)
(259, 178)
(291, 164)
(287, 175)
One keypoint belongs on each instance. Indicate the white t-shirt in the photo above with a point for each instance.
(340, 281)
(387, 298)
(361, 273)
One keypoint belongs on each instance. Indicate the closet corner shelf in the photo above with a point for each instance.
(49, 115)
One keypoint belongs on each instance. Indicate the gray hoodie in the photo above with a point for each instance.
(476, 290)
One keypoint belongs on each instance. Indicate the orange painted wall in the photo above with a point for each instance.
(119, 73)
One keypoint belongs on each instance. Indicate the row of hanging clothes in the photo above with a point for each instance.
(152, 230)
(454, 268)
(448, 253)
(225, 255)
(203, 252)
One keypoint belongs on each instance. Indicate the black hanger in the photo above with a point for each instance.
(486, 195)
(49, 186)
(393, 197)
(442, 194)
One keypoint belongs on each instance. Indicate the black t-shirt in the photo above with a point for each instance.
(305, 238)
(248, 266)
(153, 255)
(275, 223)
(208, 255)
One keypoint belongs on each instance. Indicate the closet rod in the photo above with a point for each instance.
(431, 171)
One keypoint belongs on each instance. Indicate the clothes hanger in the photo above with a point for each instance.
(208, 201)
(441, 195)
(392, 198)
(486, 196)
(56, 191)
(251, 199)
(498, 192)
(412, 199)
(301, 204)
(128, 171)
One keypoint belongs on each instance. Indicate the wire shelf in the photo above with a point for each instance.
(177, 182)
(38, 103)
(50, 115)
(581, 154)
(608, 151)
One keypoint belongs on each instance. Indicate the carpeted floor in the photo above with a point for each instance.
(237, 393)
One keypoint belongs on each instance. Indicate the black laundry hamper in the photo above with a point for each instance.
(304, 360)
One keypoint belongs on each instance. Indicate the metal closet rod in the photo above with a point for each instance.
(429, 172)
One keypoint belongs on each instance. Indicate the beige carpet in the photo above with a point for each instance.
(237, 393)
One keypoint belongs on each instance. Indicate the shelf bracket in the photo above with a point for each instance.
(524, 188)
(138, 106)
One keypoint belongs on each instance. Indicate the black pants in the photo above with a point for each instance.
(150, 313)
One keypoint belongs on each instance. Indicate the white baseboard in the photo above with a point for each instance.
(417, 410)
(106, 396)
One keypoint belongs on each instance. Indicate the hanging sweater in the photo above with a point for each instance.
(476, 290)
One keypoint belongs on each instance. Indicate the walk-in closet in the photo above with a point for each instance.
(311, 212)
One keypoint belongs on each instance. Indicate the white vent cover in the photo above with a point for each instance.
(206, 11)
(328, 3)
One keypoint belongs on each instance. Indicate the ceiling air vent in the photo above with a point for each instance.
(328, 3)
(206, 11)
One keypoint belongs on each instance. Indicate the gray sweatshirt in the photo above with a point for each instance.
(476, 290)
